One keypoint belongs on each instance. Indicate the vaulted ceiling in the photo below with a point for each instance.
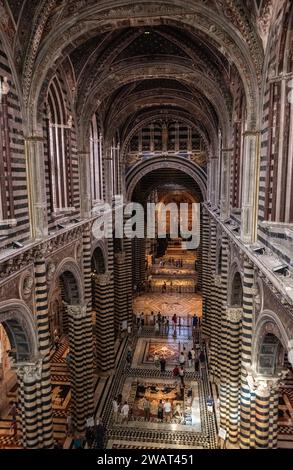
(128, 60)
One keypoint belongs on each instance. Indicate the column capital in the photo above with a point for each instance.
(234, 314)
(29, 372)
(217, 279)
(251, 133)
(262, 385)
(120, 257)
(103, 279)
(77, 311)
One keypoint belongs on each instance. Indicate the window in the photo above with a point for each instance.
(6, 192)
(60, 159)
(96, 161)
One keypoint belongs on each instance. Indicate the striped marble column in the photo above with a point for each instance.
(217, 320)
(266, 414)
(88, 350)
(45, 418)
(213, 296)
(127, 248)
(199, 256)
(234, 316)
(246, 437)
(223, 368)
(120, 291)
(105, 338)
(30, 404)
(205, 274)
(80, 394)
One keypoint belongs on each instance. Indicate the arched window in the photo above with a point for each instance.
(6, 193)
(96, 158)
(279, 168)
(60, 158)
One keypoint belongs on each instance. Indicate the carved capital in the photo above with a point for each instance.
(76, 311)
(217, 280)
(234, 314)
(120, 258)
(261, 385)
(29, 372)
(103, 279)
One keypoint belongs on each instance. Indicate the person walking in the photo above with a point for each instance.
(13, 412)
(160, 411)
(146, 409)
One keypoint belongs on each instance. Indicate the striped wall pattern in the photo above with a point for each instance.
(233, 360)
(81, 395)
(246, 344)
(270, 126)
(223, 364)
(266, 412)
(14, 140)
(205, 274)
(30, 404)
(46, 421)
(199, 256)
(104, 305)
(71, 152)
(127, 246)
(88, 333)
(212, 295)
(217, 320)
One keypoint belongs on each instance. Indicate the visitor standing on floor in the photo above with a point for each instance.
(160, 411)
(146, 409)
(163, 364)
(182, 359)
(115, 410)
(189, 358)
(194, 321)
(142, 319)
(124, 413)
(167, 410)
(181, 375)
(157, 359)
(193, 354)
(100, 432)
(174, 321)
(157, 328)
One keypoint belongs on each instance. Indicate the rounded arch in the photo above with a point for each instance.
(155, 163)
(247, 59)
(268, 327)
(69, 271)
(270, 323)
(235, 286)
(18, 322)
(98, 261)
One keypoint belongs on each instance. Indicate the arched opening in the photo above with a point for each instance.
(236, 291)
(17, 346)
(271, 355)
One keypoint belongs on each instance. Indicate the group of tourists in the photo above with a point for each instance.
(121, 410)
(165, 410)
(178, 263)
